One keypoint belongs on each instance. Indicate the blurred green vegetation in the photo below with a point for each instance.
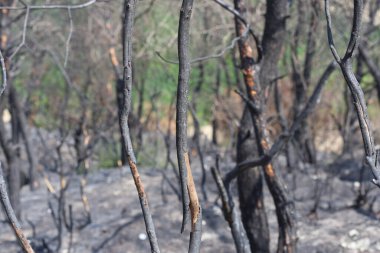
(108, 155)
(155, 32)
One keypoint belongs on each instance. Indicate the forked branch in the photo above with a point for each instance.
(278, 145)
(345, 64)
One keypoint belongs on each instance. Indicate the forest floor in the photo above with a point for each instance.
(117, 224)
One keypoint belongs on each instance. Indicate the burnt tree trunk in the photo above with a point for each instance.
(258, 77)
(250, 183)
(303, 139)
(250, 186)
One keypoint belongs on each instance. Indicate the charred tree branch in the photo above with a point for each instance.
(128, 22)
(190, 203)
(357, 93)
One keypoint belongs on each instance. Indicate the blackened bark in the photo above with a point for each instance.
(303, 139)
(274, 37)
(250, 183)
(231, 214)
(273, 41)
(357, 93)
(250, 187)
(281, 141)
(190, 203)
(128, 25)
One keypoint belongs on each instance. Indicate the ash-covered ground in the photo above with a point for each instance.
(117, 224)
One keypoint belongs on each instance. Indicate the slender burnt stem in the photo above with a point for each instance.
(128, 22)
(357, 94)
(230, 213)
(190, 203)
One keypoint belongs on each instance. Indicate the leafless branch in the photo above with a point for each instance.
(128, 23)
(286, 137)
(190, 202)
(329, 32)
(356, 91)
(230, 213)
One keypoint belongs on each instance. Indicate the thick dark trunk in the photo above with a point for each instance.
(303, 139)
(255, 79)
(250, 183)
(250, 186)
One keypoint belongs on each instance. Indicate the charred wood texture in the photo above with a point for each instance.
(357, 93)
(230, 212)
(190, 203)
(128, 23)
(273, 40)
(301, 74)
(250, 186)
